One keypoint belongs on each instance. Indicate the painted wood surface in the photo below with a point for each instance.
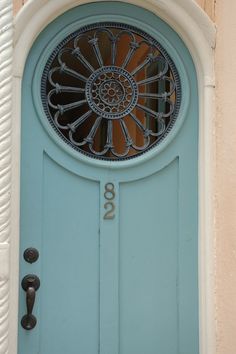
(127, 285)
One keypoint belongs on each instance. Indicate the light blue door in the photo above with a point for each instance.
(109, 173)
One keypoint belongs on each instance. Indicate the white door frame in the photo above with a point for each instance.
(198, 32)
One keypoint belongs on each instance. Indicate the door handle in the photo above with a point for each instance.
(30, 284)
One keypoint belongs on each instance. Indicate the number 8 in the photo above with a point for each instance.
(109, 191)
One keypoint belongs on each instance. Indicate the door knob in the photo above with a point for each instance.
(30, 284)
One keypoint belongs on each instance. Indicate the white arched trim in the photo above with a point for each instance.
(198, 33)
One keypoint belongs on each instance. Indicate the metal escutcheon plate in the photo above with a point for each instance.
(30, 280)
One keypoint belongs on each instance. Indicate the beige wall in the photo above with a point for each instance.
(226, 176)
(223, 13)
(18, 4)
(208, 6)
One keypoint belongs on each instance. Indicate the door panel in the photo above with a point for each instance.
(127, 284)
(70, 272)
(149, 263)
(69, 267)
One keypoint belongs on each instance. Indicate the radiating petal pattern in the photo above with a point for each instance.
(111, 91)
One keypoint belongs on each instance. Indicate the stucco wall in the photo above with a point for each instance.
(18, 4)
(223, 13)
(208, 6)
(226, 177)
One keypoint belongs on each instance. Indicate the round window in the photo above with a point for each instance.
(111, 91)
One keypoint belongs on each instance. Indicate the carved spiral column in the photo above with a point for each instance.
(6, 54)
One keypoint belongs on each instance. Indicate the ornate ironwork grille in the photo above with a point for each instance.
(111, 91)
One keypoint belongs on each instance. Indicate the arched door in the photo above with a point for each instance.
(109, 177)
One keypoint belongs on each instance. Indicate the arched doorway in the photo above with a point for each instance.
(185, 19)
(112, 209)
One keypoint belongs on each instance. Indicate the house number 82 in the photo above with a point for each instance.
(109, 195)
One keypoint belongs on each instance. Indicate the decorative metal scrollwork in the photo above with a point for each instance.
(111, 91)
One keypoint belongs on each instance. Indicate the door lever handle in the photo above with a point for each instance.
(30, 284)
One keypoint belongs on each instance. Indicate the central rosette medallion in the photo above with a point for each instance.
(111, 92)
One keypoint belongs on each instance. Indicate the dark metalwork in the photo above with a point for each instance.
(30, 284)
(31, 255)
(111, 92)
(90, 89)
